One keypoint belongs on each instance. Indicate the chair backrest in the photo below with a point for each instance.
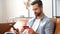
(57, 26)
(57, 30)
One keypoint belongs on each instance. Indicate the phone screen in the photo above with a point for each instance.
(25, 27)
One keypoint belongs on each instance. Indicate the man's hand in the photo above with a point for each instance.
(17, 31)
(31, 31)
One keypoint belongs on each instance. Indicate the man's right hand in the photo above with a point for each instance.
(17, 31)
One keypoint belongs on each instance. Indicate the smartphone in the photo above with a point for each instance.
(13, 27)
(25, 27)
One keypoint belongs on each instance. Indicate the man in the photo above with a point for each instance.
(40, 24)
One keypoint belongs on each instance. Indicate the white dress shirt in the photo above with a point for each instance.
(36, 24)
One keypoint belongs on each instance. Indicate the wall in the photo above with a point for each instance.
(3, 13)
(54, 8)
(16, 8)
(11, 9)
(58, 7)
(0, 10)
(47, 5)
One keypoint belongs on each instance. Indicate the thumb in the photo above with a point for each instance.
(17, 31)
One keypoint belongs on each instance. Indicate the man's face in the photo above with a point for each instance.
(37, 10)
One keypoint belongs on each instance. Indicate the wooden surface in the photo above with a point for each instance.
(57, 30)
(4, 27)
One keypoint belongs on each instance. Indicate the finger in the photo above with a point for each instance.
(17, 31)
(28, 29)
(30, 32)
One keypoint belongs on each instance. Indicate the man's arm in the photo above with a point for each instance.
(49, 28)
(16, 31)
(21, 30)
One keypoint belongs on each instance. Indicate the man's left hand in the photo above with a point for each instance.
(31, 31)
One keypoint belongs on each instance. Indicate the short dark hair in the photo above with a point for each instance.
(39, 2)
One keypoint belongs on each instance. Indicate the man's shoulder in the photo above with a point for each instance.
(47, 19)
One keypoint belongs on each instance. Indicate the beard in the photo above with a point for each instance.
(37, 14)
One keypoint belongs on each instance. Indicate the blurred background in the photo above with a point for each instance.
(12, 10)
(20, 11)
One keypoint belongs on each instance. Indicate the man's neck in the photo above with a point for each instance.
(38, 17)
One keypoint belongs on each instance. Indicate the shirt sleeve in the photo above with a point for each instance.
(49, 28)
